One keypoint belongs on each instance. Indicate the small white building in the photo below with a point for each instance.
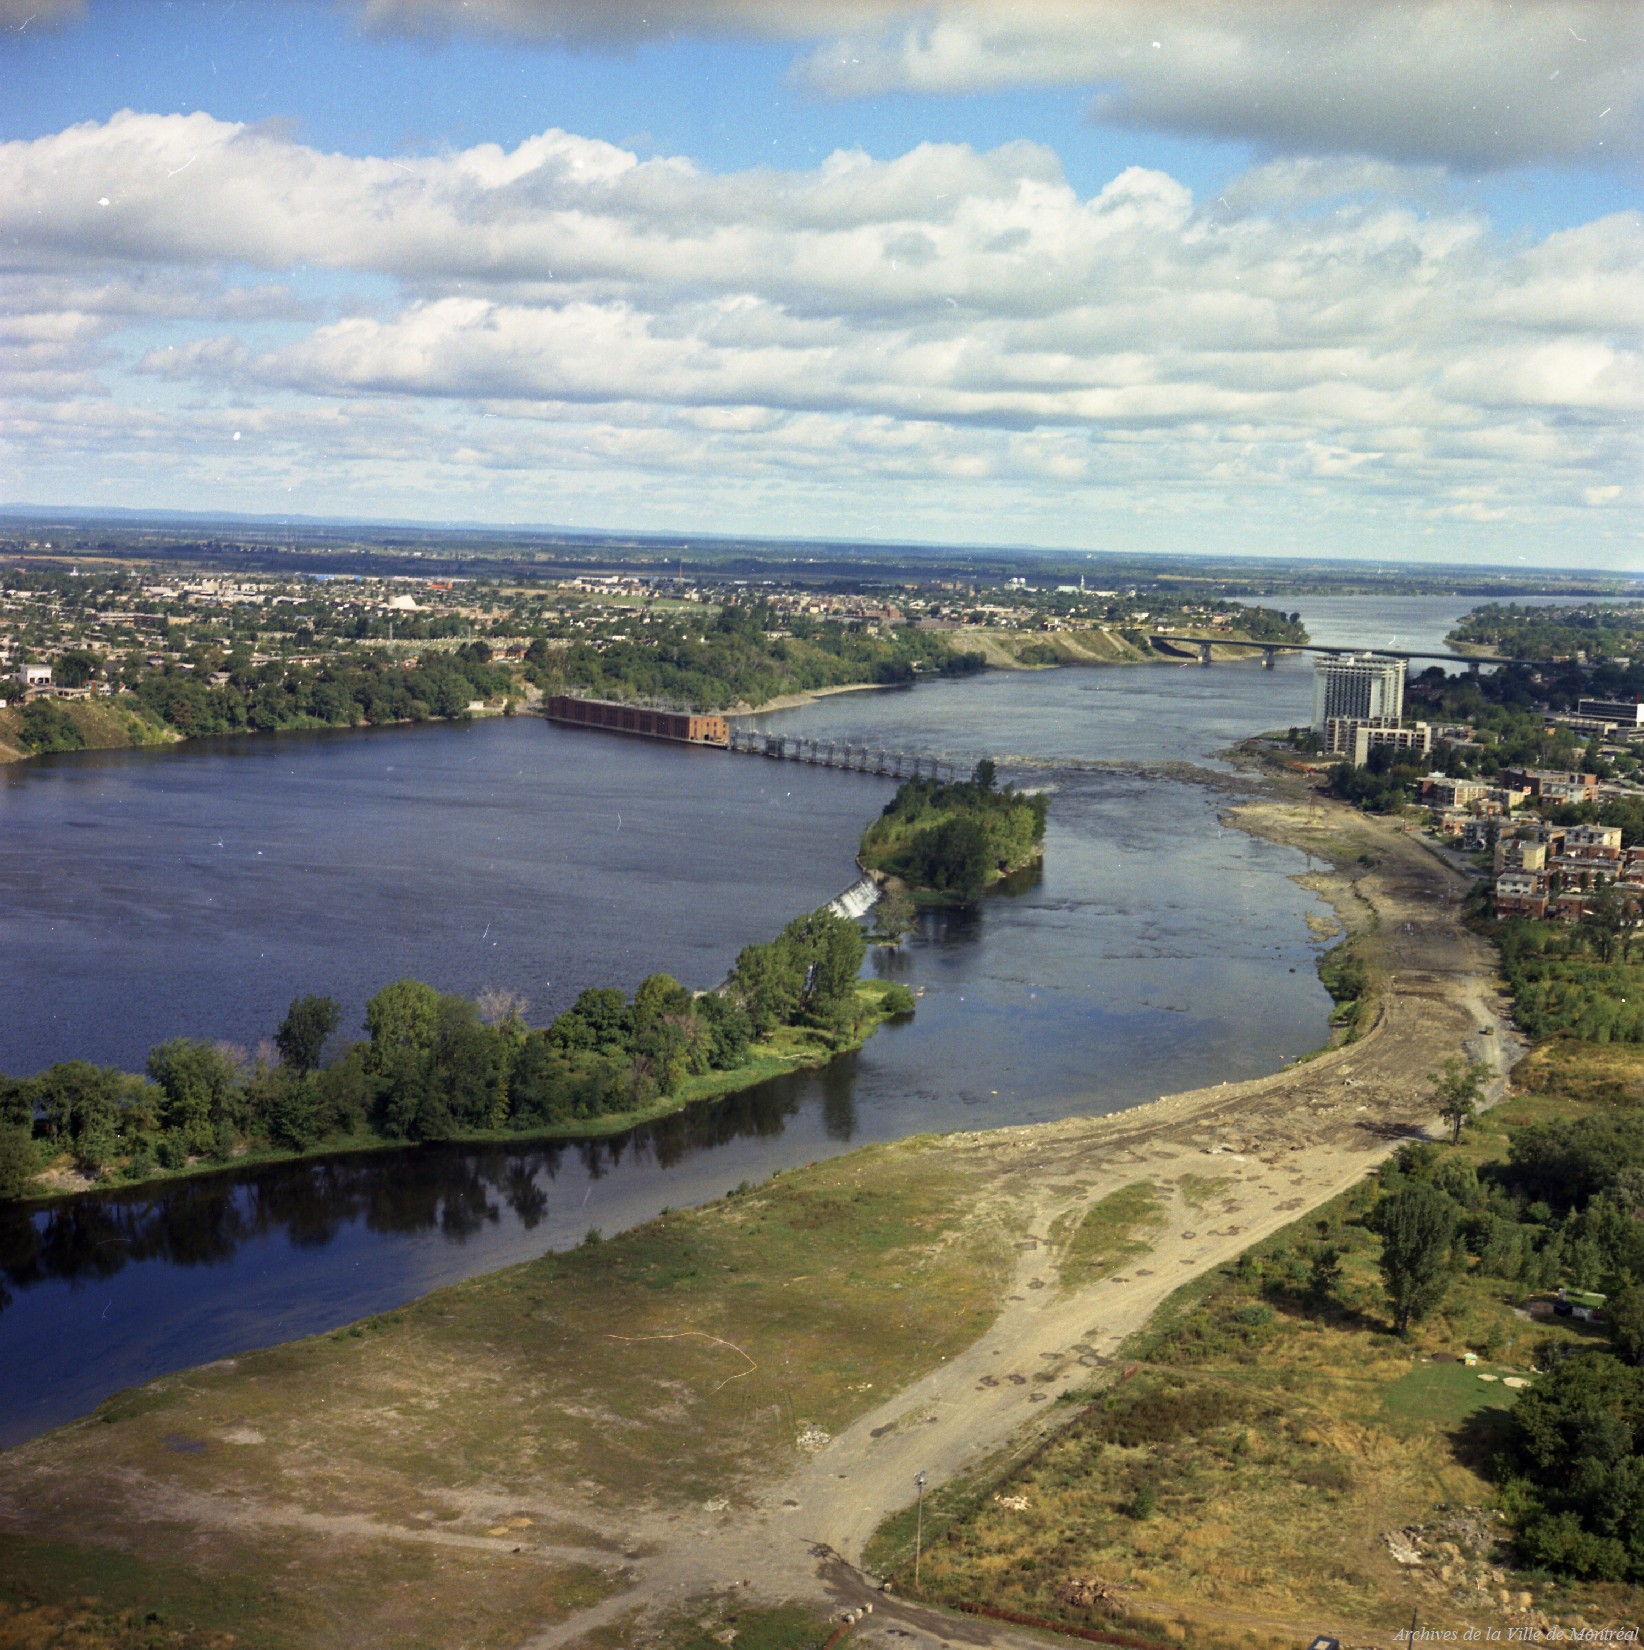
(31, 678)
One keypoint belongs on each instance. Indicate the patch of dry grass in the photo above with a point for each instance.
(213, 1589)
(1250, 1462)
(536, 1407)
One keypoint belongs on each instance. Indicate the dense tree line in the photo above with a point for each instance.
(955, 838)
(46, 728)
(1597, 629)
(737, 658)
(432, 1067)
(1576, 979)
(265, 697)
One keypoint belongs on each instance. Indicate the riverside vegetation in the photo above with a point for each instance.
(441, 1067)
(953, 841)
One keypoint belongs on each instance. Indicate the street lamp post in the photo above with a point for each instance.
(918, 1530)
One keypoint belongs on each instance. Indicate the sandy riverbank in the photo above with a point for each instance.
(792, 701)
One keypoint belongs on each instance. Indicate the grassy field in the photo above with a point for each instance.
(1111, 1232)
(279, 1591)
(489, 1453)
(1259, 1445)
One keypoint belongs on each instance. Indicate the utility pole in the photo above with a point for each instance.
(918, 1530)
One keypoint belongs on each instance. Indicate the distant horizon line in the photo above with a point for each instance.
(72, 513)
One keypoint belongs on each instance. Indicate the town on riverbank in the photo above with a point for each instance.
(118, 636)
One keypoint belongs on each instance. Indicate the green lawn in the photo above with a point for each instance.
(1438, 1394)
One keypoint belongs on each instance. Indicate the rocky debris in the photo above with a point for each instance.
(813, 1437)
(1088, 1593)
(1016, 1503)
(1463, 1554)
(1403, 1550)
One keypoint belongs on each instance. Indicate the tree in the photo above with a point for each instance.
(1417, 1225)
(19, 1162)
(47, 727)
(659, 997)
(197, 1083)
(607, 1015)
(1624, 1313)
(1606, 920)
(502, 1008)
(303, 1031)
(954, 857)
(294, 1116)
(894, 916)
(768, 982)
(1458, 1086)
(1324, 1275)
(1575, 1443)
(402, 1016)
(830, 949)
(76, 667)
(729, 1030)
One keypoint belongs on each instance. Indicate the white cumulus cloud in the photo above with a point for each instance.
(1315, 337)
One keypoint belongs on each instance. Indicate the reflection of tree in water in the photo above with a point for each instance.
(893, 962)
(202, 1226)
(523, 1190)
(453, 1190)
(839, 1099)
(434, 1190)
(310, 1207)
(949, 927)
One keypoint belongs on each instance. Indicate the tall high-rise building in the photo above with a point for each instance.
(1359, 686)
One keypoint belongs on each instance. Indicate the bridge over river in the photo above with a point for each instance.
(1271, 650)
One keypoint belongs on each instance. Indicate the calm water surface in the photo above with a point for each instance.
(195, 891)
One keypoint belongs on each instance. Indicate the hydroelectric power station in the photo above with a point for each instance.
(687, 727)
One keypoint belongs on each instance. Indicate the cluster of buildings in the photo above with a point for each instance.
(1544, 870)
(1540, 869)
(1358, 705)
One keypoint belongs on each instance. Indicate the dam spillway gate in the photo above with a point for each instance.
(839, 753)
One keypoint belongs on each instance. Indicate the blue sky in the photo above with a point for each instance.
(1260, 277)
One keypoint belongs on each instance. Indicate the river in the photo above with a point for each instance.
(194, 891)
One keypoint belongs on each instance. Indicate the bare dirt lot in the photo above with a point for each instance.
(766, 1406)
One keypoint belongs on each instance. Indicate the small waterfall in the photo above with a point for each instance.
(857, 900)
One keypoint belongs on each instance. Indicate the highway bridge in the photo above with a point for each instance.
(1270, 651)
